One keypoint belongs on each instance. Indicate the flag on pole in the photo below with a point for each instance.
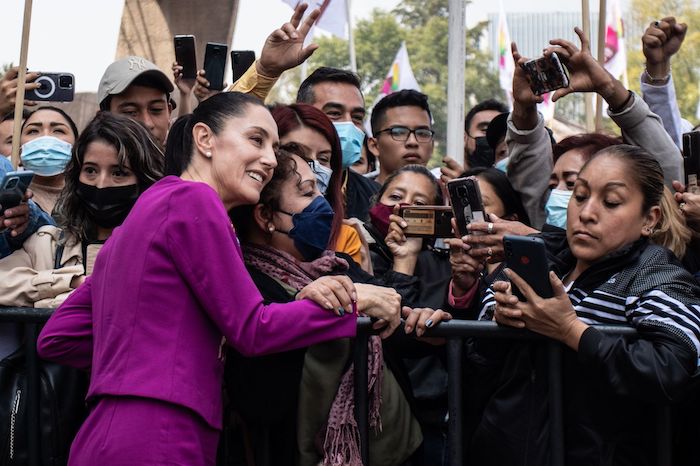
(615, 53)
(400, 75)
(506, 65)
(334, 16)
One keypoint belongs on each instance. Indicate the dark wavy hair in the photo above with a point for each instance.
(512, 203)
(292, 117)
(135, 147)
(419, 169)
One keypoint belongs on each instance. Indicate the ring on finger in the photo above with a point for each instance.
(681, 206)
(489, 252)
(489, 228)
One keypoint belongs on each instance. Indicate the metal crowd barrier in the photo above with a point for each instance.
(32, 319)
(456, 331)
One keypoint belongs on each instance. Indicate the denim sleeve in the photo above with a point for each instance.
(37, 219)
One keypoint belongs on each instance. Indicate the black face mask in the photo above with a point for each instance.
(108, 207)
(483, 155)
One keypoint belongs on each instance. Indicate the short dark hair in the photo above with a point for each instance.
(413, 168)
(305, 95)
(403, 98)
(213, 112)
(11, 115)
(488, 104)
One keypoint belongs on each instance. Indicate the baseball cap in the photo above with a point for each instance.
(120, 74)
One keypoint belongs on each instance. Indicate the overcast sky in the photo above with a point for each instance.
(65, 35)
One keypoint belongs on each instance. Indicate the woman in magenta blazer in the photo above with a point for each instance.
(151, 321)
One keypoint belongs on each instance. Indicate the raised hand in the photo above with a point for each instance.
(661, 40)
(8, 89)
(284, 48)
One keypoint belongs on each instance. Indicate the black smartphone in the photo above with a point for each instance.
(527, 256)
(53, 87)
(215, 65)
(240, 62)
(546, 74)
(427, 221)
(186, 55)
(467, 205)
(691, 161)
(13, 187)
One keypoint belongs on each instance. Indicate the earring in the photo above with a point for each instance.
(271, 228)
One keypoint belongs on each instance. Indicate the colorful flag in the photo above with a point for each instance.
(400, 75)
(546, 107)
(506, 65)
(615, 53)
(334, 15)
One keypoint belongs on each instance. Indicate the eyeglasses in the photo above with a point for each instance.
(401, 133)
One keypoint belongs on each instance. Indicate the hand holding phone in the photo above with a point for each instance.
(527, 256)
(13, 188)
(467, 205)
(186, 55)
(546, 74)
(215, 65)
(427, 221)
(691, 161)
(53, 87)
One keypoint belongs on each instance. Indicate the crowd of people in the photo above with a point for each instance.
(208, 265)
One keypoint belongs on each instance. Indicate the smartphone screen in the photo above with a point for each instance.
(215, 65)
(240, 62)
(546, 74)
(691, 161)
(186, 55)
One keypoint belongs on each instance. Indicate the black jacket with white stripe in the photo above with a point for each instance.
(613, 385)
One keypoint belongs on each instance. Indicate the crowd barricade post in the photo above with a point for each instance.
(458, 330)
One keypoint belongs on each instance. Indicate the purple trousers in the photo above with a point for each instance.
(121, 431)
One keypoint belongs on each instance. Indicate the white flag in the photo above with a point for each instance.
(334, 15)
(615, 53)
(506, 65)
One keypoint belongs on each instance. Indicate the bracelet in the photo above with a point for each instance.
(652, 80)
(624, 105)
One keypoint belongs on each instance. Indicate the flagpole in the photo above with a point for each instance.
(588, 97)
(21, 78)
(351, 39)
(455, 80)
(602, 23)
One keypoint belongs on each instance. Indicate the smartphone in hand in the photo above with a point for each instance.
(467, 205)
(215, 64)
(527, 256)
(691, 161)
(240, 62)
(13, 188)
(427, 221)
(53, 87)
(546, 74)
(186, 55)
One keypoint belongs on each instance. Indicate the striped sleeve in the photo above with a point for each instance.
(488, 305)
(656, 308)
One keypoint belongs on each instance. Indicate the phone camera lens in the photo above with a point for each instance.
(462, 191)
(65, 81)
(12, 183)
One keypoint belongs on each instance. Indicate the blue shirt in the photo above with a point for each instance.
(37, 218)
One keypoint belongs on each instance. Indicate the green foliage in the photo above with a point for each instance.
(423, 24)
(685, 64)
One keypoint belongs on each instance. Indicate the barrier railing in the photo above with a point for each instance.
(456, 331)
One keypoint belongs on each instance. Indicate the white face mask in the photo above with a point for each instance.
(556, 207)
(323, 176)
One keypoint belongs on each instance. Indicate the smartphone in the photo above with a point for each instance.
(546, 74)
(53, 87)
(186, 55)
(467, 205)
(691, 161)
(240, 62)
(215, 64)
(527, 256)
(427, 221)
(13, 187)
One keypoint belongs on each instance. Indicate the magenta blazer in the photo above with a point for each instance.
(168, 286)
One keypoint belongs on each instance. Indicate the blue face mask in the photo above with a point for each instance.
(351, 138)
(46, 156)
(502, 165)
(556, 207)
(323, 176)
(312, 228)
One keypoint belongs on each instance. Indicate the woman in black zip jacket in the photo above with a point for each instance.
(610, 274)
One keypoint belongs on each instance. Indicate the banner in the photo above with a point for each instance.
(506, 65)
(615, 53)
